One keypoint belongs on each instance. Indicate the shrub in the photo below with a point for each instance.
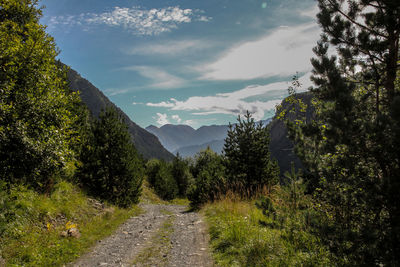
(209, 181)
(161, 179)
(181, 173)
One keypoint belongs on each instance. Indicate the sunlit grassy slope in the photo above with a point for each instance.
(33, 236)
(241, 235)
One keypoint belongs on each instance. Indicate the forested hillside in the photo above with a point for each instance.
(147, 144)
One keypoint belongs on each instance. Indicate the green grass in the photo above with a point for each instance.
(156, 253)
(241, 235)
(33, 238)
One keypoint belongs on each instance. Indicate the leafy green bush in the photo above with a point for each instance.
(209, 181)
(36, 106)
(161, 179)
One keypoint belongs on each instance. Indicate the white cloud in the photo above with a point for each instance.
(176, 118)
(162, 104)
(191, 123)
(256, 90)
(311, 13)
(160, 78)
(281, 53)
(161, 118)
(170, 48)
(232, 103)
(114, 92)
(137, 20)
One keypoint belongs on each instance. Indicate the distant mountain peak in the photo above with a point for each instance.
(151, 127)
(179, 126)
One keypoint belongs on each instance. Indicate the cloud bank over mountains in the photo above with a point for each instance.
(233, 103)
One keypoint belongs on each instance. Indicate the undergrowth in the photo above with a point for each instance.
(31, 225)
(274, 234)
(150, 197)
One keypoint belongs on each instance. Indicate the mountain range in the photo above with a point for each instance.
(187, 141)
(163, 142)
(146, 143)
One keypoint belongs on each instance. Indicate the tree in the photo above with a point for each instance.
(35, 102)
(248, 162)
(209, 178)
(353, 146)
(181, 173)
(159, 174)
(110, 165)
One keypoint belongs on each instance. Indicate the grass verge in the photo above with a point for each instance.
(33, 236)
(241, 235)
(157, 253)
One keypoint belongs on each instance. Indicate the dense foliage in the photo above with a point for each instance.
(249, 167)
(353, 145)
(274, 234)
(111, 167)
(44, 131)
(182, 175)
(35, 104)
(160, 177)
(245, 169)
(209, 178)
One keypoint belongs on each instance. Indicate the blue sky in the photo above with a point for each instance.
(187, 62)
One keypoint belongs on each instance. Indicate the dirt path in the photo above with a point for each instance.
(165, 235)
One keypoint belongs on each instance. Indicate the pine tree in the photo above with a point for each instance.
(110, 165)
(180, 172)
(248, 162)
(353, 146)
(36, 106)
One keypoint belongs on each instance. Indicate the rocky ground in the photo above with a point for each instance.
(165, 235)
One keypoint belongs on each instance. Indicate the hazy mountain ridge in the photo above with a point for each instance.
(172, 137)
(146, 143)
(187, 141)
(189, 151)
